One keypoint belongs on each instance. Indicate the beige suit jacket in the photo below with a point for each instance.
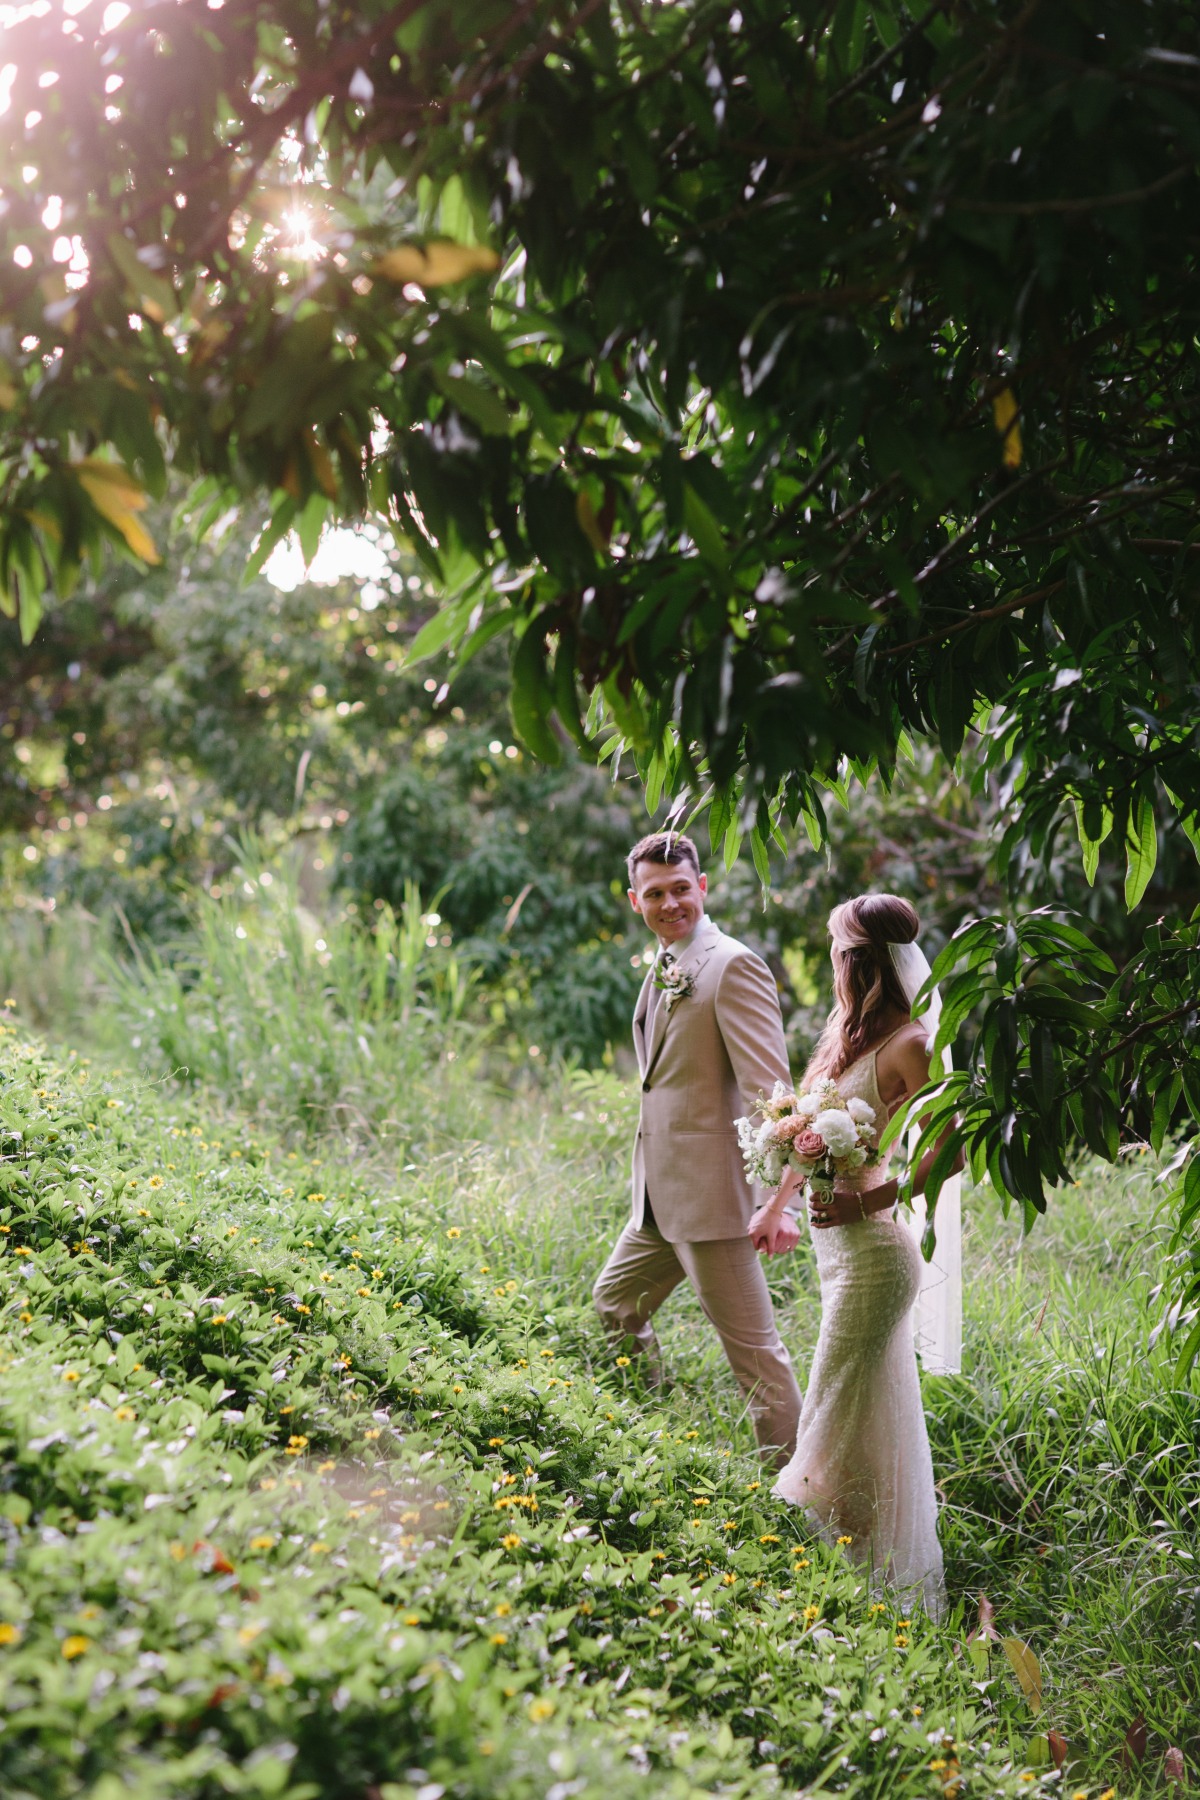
(708, 1060)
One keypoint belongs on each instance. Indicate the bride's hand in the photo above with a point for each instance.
(774, 1231)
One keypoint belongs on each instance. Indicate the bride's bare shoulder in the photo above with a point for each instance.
(902, 1063)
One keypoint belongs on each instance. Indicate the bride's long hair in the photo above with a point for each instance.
(866, 987)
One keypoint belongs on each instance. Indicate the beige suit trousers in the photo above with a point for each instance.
(727, 1277)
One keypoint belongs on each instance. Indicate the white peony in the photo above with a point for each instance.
(838, 1129)
(860, 1111)
(807, 1106)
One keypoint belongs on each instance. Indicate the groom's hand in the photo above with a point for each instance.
(774, 1233)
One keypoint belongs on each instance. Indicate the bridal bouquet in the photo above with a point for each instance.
(819, 1134)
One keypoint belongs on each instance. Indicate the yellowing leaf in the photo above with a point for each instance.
(585, 512)
(118, 498)
(437, 264)
(1027, 1670)
(1005, 412)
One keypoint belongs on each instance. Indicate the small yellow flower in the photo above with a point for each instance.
(376, 1274)
(143, 1212)
(314, 1196)
(219, 1319)
(729, 1525)
(453, 1232)
(22, 1251)
(70, 1374)
(296, 1445)
(937, 1765)
(511, 1541)
(75, 1646)
(498, 1637)
(264, 1541)
(320, 1548)
(768, 1538)
(267, 1483)
(811, 1613)
(155, 1181)
(124, 1413)
(900, 1641)
(411, 1619)
(918, 1710)
(699, 1500)
(622, 1362)
(26, 1318)
(248, 1633)
(752, 1487)
(362, 1293)
(845, 1540)
(325, 1276)
(285, 1410)
(9, 1634)
(510, 1287)
(496, 1443)
(728, 1580)
(502, 1609)
(541, 1709)
(457, 1388)
(302, 1309)
(323, 1468)
(485, 1268)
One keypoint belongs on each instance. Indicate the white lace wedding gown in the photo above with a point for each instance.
(861, 1466)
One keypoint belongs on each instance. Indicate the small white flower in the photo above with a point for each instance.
(860, 1111)
(807, 1106)
(856, 1157)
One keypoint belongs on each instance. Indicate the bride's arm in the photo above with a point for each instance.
(904, 1071)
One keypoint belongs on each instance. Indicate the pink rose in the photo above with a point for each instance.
(809, 1144)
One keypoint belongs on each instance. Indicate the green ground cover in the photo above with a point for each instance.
(317, 1480)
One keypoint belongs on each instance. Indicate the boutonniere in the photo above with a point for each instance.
(674, 984)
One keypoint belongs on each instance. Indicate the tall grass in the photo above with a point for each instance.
(321, 1026)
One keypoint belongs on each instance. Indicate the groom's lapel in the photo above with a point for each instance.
(690, 963)
(639, 1020)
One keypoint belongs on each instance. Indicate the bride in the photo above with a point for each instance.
(861, 1469)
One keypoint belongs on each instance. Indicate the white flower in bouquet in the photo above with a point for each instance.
(857, 1157)
(807, 1106)
(860, 1111)
(766, 1134)
(838, 1129)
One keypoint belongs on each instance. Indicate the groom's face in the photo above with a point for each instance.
(670, 897)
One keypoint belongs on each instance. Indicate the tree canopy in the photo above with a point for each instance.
(785, 383)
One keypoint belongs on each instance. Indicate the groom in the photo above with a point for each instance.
(709, 1041)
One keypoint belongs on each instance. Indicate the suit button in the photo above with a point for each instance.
(645, 1087)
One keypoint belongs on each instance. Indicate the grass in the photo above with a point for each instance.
(251, 1488)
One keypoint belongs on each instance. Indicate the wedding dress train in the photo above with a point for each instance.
(862, 1467)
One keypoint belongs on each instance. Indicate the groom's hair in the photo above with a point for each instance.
(662, 847)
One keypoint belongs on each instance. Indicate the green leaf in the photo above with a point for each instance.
(703, 529)
(533, 696)
(483, 405)
(1141, 850)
